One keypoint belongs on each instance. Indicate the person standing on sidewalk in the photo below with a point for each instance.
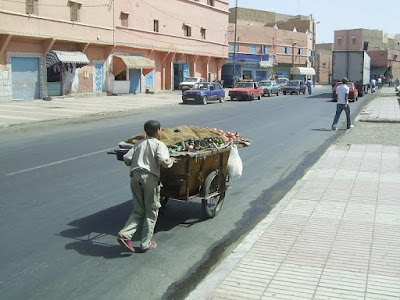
(309, 86)
(145, 159)
(342, 97)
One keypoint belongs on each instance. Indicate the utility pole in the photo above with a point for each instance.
(234, 46)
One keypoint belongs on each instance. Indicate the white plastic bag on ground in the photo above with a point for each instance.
(235, 165)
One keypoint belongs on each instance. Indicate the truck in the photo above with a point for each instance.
(355, 65)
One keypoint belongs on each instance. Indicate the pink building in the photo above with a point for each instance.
(54, 47)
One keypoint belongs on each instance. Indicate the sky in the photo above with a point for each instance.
(335, 15)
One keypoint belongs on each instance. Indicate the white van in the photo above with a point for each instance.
(282, 81)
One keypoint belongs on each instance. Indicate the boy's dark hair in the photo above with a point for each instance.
(151, 127)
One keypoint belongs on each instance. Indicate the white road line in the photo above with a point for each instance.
(58, 162)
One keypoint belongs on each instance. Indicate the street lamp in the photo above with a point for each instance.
(293, 44)
(234, 47)
(315, 54)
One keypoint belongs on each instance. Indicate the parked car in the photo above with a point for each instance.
(353, 92)
(246, 90)
(282, 81)
(203, 93)
(189, 82)
(294, 87)
(270, 87)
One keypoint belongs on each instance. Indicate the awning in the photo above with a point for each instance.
(266, 64)
(122, 62)
(66, 57)
(302, 71)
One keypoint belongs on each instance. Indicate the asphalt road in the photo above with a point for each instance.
(63, 199)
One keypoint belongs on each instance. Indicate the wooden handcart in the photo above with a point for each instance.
(202, 174)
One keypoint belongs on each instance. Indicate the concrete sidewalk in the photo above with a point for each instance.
(27, 112)
(335, 235)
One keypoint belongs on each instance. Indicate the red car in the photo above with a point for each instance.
(246, 90)
(353, 92)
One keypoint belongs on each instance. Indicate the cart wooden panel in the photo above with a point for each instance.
(185, 179)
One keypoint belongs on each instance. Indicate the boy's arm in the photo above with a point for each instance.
(163, 156)
(128, 156)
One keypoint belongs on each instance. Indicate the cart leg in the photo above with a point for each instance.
(214, 184)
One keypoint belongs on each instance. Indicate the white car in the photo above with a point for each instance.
(189, 82)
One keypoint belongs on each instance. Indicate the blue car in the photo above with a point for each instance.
(203, 93)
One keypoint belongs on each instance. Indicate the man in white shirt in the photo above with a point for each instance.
(373, 85)
(342, 96)
(145, 159)
(379, 82)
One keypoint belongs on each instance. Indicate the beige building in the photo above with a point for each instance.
(323, 64)
(54, 47)
(285, 45)
(383, 50)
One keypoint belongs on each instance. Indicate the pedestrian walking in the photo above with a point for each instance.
(379, 82)
(145, 159)
(342, 96)
(373, 85)
(309, 86)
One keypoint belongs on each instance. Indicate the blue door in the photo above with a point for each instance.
(134, 78)
(98, 77)
(150, 79)
(25, 78)
(181, 71)
(261, 75)
(185, 71)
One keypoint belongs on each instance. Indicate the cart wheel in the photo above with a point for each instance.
(164, 200)
(214, 183)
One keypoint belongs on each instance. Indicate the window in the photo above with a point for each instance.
(265, 49)
(300, 52)
(32, 7)
(124, 19)
(187, 30)
(203, 33)
(233, 46)
(286, 50)
(75, 7)
(211, 2)
(156, 27)
(339, 40)
(253, 49)
(354, 39)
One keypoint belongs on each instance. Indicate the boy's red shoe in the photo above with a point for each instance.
(125, 243)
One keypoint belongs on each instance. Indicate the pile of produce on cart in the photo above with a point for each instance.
(189, 140)
(201, 170)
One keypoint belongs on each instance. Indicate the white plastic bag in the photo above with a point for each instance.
(235, 165)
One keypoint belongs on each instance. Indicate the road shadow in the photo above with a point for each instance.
(95, 235)
(327, 96)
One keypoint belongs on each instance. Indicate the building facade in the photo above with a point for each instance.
(54, 47)
(269, 45)
(323, 65)
(383, 50)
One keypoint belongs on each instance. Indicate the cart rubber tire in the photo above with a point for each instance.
(212, 206)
